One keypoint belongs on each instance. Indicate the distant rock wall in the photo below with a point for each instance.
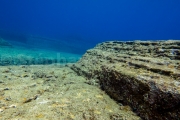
(4, 43)
(142, 74)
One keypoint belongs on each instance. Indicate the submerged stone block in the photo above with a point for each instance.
(142, 74)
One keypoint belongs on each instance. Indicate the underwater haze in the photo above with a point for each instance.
(70, 59)
(81, 24)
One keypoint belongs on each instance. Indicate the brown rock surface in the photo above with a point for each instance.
(142, 74)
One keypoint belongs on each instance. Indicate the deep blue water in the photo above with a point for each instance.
(80, 24)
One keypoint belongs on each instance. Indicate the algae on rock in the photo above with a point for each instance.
(142, 74)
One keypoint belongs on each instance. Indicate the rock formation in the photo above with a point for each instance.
(4, 43)
(142, 74)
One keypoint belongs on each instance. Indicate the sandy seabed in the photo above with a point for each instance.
(54, 92)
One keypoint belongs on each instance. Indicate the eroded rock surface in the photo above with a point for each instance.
(142, 74)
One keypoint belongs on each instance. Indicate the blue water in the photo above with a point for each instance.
(77, 25)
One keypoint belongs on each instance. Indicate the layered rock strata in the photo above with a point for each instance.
(142, 74)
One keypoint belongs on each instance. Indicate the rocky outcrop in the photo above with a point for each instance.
(4, 43)
(142, 74)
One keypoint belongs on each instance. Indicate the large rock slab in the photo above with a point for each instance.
(142, 74)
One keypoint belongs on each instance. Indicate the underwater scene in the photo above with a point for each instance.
(89, 60)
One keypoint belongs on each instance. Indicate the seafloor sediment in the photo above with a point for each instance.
(142, 74)
(54, 92)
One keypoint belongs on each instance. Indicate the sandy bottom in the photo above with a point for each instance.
(33, 56)
(54, 92)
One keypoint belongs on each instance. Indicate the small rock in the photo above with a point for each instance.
(1, 81)
(8, 99)
(176, 83)
(1, 110)
(6, 71)
(25, 75)
(12, 106)
(49, 76)
(6, 88)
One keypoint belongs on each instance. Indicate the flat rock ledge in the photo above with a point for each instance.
(142, 74)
